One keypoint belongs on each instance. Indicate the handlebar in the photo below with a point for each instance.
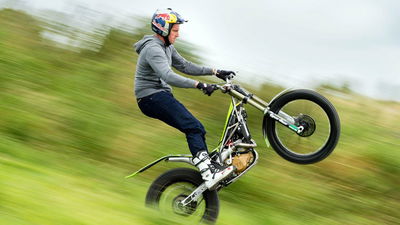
(240, 93)
(229, 87)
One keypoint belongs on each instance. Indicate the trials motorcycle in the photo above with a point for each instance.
(301, 125)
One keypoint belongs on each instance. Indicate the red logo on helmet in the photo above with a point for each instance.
(164, 16)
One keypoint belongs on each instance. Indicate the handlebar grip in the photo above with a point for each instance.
(241, 91)
(216, 87)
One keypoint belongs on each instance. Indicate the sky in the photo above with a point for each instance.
(294, 43)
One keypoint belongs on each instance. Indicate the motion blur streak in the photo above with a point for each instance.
(70, 130)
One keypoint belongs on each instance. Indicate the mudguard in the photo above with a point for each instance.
(172, 158)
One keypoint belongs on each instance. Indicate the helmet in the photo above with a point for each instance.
(163, 19)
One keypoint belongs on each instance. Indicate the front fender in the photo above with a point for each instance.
(171, 158)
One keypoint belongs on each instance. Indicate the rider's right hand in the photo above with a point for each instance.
(207, 89)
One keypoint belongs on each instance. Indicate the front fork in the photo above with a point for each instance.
(263, 106)
(286, 120)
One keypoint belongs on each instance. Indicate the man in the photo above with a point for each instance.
(154, 78)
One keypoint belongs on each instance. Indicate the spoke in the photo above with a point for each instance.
(312, 141)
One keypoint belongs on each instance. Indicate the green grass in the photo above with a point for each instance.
(70, 131)
(49, 188)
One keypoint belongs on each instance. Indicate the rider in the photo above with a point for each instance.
(154, 78)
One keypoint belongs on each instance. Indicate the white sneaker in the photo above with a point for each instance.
(212, 173)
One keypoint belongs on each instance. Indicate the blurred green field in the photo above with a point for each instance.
(70, 131)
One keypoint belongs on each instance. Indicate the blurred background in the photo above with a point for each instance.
(70, 129)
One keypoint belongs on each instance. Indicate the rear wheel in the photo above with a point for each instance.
(168, 190)
(318, 119)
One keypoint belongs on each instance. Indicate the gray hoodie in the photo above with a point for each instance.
(153, 69)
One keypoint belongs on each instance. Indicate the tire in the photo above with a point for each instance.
(183, 176)
(319, 142)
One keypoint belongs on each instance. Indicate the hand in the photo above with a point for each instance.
(207, 89)
(223, 74)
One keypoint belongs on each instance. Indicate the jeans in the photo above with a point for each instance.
(163, 106)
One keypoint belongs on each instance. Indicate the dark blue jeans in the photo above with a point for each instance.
(163, 106)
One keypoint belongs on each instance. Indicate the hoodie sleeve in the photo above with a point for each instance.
(159, 63)
(187, 67)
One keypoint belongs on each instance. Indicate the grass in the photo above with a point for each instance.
(70, 131)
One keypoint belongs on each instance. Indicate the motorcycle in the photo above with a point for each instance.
(301, 125)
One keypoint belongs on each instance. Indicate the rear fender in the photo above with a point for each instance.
(168, 158)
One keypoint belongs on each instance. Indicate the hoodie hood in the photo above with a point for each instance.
(145, 41)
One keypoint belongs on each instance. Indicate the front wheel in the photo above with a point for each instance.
(173, 186)
(315, 114)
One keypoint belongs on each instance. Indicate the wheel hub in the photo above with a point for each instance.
(180, 209)
(307, 123)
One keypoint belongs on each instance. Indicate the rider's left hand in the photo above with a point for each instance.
(223, 74)
(207, 89)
